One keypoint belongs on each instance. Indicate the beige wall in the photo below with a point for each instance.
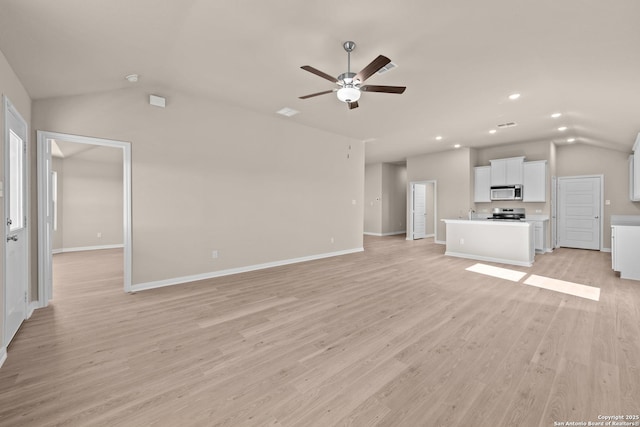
(207, 177)
(11, 87)
(394, 198)
(580, 159)
(90, 199)
(385, 210)
(451, 170)
(373, 198)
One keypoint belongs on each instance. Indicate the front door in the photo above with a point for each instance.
(15, 196)
(579, 212)
(419, 211)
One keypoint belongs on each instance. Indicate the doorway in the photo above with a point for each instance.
(16, 250)
(47, 210)
(422, 210)
(579, 212)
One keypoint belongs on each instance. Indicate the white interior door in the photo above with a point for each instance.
(15, 194)
(579, 206)
(419, 211)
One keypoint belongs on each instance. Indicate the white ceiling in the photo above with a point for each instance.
(459, 60)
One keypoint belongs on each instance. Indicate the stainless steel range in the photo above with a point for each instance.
(508, 214)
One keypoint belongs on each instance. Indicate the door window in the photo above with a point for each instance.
(16, 182)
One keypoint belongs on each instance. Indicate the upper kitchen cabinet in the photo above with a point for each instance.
(634, 172)
(482, 184)
(535, 181)
(507, 171)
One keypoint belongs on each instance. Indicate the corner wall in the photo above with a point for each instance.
(452, 172)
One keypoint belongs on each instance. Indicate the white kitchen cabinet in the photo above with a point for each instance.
(507, 171)
(482, 184)
(534, 181)
(625, 246)
(634, 172)
(632, 185)
(539, 233)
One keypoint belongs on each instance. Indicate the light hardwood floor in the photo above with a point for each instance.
(398, 335)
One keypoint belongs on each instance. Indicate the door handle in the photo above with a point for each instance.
(14, 238)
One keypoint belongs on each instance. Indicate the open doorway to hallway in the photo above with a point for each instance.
(84, 203)
(87, 198)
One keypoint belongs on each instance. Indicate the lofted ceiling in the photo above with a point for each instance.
(459, 60)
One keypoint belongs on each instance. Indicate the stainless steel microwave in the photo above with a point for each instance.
(506, 192)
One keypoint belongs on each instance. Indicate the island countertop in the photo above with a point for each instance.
(507, 242)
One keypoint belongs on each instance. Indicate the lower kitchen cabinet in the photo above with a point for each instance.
(625, 247)
(539, 234)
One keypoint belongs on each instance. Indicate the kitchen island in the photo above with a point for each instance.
(506, 242)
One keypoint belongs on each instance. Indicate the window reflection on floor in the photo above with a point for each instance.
(569, 288)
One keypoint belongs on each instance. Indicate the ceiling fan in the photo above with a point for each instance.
(351, 83)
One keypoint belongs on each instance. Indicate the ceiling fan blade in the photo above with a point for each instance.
(352, 105)
(317, 93)
(372, 68)
(385, 89)
(317, 72)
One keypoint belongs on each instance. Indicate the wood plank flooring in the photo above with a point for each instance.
(398, 335)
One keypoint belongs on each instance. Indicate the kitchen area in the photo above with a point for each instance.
(513, 207)
(508, 235)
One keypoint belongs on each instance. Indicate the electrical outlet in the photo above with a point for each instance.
(99, 235)
(462, 241)
(332, 240)
(214, 254)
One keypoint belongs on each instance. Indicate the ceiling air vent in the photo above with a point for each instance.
(390, 66)
(507, 125)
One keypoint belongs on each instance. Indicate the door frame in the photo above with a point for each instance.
(410, 208)
(9, 108)
(601, 213)
(45, 256)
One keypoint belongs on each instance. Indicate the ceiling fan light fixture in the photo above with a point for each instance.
(348, 94)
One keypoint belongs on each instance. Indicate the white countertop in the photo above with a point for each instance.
(485, 221)
(632, 220)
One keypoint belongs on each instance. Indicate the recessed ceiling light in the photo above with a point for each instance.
(514, 96)
(562, 128)
(457, 146)
(438, 138)
(288, 112)
(492, 131)
(132, 78)
(556, 115)
(571, 140)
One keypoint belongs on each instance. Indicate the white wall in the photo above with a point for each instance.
(207, 177)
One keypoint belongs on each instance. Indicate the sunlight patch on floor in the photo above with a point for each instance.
(575, 289)
(501, 273)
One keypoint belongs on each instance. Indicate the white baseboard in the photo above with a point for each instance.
(441, 242)
(230, 271)
(605, 250)
(394, 233)
(3, 355)
(86, 248)
(32, 307)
